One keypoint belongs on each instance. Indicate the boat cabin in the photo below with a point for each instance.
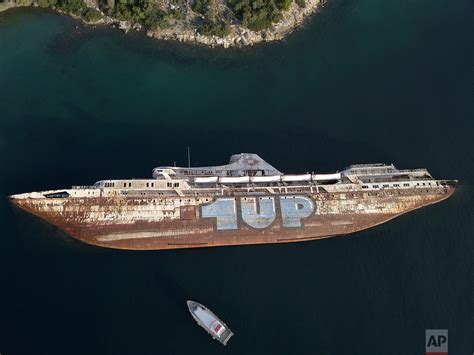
(217, 328)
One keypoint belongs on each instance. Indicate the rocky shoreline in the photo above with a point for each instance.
(238, 35)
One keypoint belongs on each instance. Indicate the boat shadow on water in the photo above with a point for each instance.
(175, 293)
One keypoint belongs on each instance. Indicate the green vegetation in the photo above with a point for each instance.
(201, 6)
(140, 11)
(283, 4)
(71, 6)
(259, 15)
(23, 2)
(47, 3)
(128, 10)
(178, 14)
(209, 28)
(91, 15)
(301, 3)
(160, 21)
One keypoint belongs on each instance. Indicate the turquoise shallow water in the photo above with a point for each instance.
(363, 81)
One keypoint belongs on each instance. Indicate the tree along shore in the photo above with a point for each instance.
(227, 23)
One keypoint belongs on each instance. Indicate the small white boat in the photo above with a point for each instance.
(210, 322)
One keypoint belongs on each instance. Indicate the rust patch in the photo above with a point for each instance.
(160, 223)
(188, 212)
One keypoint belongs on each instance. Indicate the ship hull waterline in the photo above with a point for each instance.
(336, 215)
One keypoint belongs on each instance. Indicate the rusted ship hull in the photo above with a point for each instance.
(151, 223)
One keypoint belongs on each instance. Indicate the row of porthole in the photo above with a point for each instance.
(197, 200)
(397, 185)
(260, 198)
(264, 198)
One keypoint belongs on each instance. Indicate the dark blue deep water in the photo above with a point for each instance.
(363, 81)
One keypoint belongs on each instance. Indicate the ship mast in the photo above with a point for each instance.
(189, 157)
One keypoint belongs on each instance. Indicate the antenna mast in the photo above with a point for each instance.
(189, 157)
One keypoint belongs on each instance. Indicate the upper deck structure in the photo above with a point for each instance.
(247, 201)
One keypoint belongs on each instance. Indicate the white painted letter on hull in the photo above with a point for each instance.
(293, 210)
(223, 209)
(264, 217)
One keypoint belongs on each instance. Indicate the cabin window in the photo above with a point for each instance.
(147, 184)
(364, 186)
(152, 184)
(176, 184)
(129, 184)
(385, 185)
(406, 184)
(62, 194)
(124, 184)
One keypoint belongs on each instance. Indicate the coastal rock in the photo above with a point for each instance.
(125, 26)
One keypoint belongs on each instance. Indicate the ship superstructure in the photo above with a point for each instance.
(247, 201)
